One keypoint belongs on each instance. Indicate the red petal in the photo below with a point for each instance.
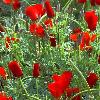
(16, 5)
(3, 72)
(7, 1)
(37, 30)
(93, 37)
(73, 37)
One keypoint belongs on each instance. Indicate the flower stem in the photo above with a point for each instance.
(24, 89)
(80, 73)
(37, 86)
(67, 5)
(28, 96)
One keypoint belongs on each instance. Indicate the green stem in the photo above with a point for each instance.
(37, 86)
(84, 92)
(24, 89)
(28, 96)
(67, 5)
(80, 73)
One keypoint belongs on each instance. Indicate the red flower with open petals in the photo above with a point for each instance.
(37, 29)
(87, 39)
(15, 68)
(34, 12)
(71, 91)
(7, 1)
(92, 79)
(91, 18)
(49, 9)
(36, 70)
(48, 23)
(74, 37)
(3, 72)
(3, 96)
(61, 82)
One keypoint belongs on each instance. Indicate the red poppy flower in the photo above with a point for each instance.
(75, 35)
(86, 40)
(3, 96)
(16, 4)
(15, 68)
(60, 84)
(82, 1)
(3, 72)
(7, 1)
(97, 2)
(35, 11)
(48, 23)
(71, 91)
(49, 10)
(37, 29)
(92, 79)
(36, 70)
(91, 18)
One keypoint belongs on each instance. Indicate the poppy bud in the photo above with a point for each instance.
(53, 41)
(16, 5)
(15, 68)
(36, 70)
(92, 79)
(91, 18)
(49, 10)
